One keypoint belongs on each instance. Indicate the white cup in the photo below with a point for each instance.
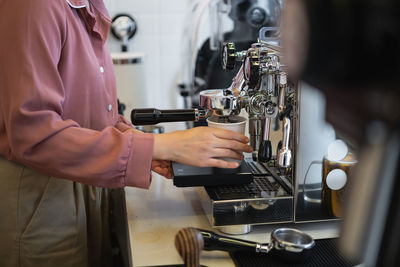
(238, 125)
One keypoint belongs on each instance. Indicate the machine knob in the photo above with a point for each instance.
(265, 149)
(228, 56)
(256, 17)
(123, 27)
(251, 70)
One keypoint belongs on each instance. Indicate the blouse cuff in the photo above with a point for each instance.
(138, 172)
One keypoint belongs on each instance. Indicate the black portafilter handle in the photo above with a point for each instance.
(151, 116)
(265, 151)
(213, 241)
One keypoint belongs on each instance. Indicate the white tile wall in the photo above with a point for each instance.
(160, 26)
(159, 36)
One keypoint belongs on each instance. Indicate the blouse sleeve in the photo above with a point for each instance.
(32, 130)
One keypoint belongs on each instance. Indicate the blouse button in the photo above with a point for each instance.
(101, 69)
(109, 108)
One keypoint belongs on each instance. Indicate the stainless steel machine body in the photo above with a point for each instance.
(262, 88)
(272, 102)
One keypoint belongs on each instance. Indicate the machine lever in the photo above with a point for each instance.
(151, 116)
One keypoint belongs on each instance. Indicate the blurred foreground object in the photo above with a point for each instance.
(350, 50)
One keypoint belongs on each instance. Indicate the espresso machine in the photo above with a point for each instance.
(266, 188)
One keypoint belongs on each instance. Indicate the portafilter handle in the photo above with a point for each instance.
(213, 241)
(151, 116)
(290, 245)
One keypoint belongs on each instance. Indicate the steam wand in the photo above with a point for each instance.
(285, 154)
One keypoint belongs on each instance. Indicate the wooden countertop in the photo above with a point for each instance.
(156, 215)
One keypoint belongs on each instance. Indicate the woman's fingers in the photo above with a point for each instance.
(230, 135)
(166, 172)
(199, 146)
(162, 167)
(220, 163)
(234, 145)
(161, 163)
(227, 153)
(232, 140)
(165, 163)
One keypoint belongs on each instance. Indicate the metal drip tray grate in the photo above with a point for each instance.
(267, 184)
(261, 187)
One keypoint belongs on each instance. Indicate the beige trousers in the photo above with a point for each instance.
(51, 222)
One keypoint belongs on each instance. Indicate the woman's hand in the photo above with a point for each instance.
(201, 146)
(163, 168)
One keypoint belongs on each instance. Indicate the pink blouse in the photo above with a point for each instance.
(58, 103)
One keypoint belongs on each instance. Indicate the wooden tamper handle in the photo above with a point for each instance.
(189, 242)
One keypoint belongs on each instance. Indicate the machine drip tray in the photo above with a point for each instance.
(262, 201)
